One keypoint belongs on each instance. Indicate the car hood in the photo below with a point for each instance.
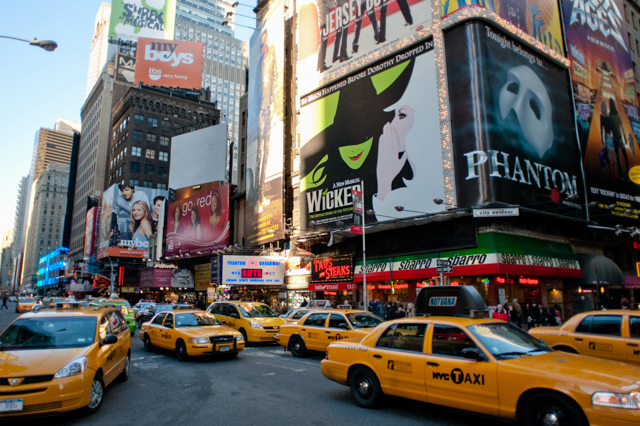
(612, 375)
(208, 331)
(38, 362)
(541, 331)
(268, 322)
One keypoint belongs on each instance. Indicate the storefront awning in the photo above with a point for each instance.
(631, 282)
(599, 270)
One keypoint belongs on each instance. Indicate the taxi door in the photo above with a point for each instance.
(120, 328)
(154, 329)
(601, 336)
(168, 335)
(455, 381)
(633, 339)
(334, 332)
(107, 353)
(399, 361)
(313, 331)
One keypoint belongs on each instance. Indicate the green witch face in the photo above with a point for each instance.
(355, 155)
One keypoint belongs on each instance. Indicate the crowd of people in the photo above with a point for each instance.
(530, 315)
(390, 310)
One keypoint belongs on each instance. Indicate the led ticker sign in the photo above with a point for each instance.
(251, 273)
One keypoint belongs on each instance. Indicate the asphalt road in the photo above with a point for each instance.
(262, 386)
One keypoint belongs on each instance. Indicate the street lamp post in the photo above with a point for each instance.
(48, 45)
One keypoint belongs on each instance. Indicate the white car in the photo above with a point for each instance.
(13, 299)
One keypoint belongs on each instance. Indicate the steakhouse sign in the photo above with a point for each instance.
(332, 269)
(169, 63)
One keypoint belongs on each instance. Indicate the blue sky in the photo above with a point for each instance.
(39, 87)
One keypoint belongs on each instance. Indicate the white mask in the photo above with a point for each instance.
(526, 95)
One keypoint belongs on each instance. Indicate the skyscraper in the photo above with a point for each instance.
(99, 46)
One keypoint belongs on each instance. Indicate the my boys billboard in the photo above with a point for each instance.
(169, 63)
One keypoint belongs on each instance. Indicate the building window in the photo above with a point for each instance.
(135, 167)
(164, 140)
(164, 156)
(139, 119)
(134, 182)
(148, 169)
(162, 186)
(153, 122)
(136, 151)
(165, 126)
(163, 172)
(148, 184)
(137, 135)
(151, 154)
(151, 137)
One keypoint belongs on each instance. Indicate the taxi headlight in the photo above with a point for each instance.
(256, 325)
(199, 340)
(75, 367)
(617, 400)
(240, 337)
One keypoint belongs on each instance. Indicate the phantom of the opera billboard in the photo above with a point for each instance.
(512, 138)
(198, 221)
(338, 37)
(131, 19)
(539, 19)
(606, 108)
(379, 128)
(128, 218)
(265, 129)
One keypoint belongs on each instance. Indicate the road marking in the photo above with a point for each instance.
(269, 374)
(296, 370)
(137, 359)
(147, 366)
(262, 354)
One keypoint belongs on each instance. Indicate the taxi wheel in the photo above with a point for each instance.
(148, 347)
(124, 376)
(365, 387)
(97, 395)
(244, 335)
(298, 349)
(550, 409)
(181, 351)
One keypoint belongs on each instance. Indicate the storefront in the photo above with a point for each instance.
(297, 276)
(601, 284)
(256, 278)
(167, 285)
(332, 278)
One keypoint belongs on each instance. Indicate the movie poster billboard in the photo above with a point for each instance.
(128, 218)
(606, 108)
(512, 138)
(198, 221)
(265, 131)
(539, 19)
(131, 19)
(169, 63)
(337, 37)
(379, 128)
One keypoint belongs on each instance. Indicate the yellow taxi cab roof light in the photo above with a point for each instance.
(451, 301)
(68, 305)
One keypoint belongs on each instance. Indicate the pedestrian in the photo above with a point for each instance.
(283, 308)
(624, 303)
(400, 313)
(391, 312)
(533, 319)
(519, 311)
(512, 315)
(410, 310)
(500, 313)
(4, 301)
(379, 309)
(547, 319)
(304, 302)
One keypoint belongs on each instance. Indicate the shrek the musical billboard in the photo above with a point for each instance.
(379, 127)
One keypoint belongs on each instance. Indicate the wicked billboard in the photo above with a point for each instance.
(379, 127)
(606, 108)
(513, 140)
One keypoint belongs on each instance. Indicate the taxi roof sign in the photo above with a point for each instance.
(68, 305)
(445, 300)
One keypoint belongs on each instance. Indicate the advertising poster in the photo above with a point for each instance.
(89, 232)
(126, 68)
(380, 126)
(332, 269)
(606, 108)
(202, 276)
(169, 63)
(128, 218)
(198, 221)
(265, 129)
(131, 19)
(181, 278)
(539, 19)
(252, 270)
(343, 35)
(513, 140)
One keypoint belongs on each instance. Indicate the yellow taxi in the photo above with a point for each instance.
(317, 329)
(61, 359)
(256, 321)
(611, 334)
(485, 366)
(293, 315)
(190, 333)
(24, 304)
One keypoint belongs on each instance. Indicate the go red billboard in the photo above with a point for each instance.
(169, 63)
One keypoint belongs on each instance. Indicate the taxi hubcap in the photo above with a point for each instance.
(550, 419)
(364, 387)
(296, 346)
(96, 394)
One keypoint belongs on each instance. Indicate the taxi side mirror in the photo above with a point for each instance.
(110, 339)
(344, 326)
(223, 322)
(234, 315)
(471, 353)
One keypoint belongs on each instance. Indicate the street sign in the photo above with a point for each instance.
(444, 262)
(111, 265)
(444, 269)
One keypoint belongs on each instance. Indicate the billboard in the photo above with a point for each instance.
(337, 37)
(198, 221)
(181, 278)
(131, 19)
(380, 126)
(169, 63)
(606, 108)
(125, 68)
(202, 276)
(199, 157)
(128, 217)
(512, 138)
(89, 232)
(332, 269)
(265, 129)
(539, 19)
(252, 270)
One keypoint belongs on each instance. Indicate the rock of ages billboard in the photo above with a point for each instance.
(606, 107)
(513, 138)
(338, 36)
(378, 127)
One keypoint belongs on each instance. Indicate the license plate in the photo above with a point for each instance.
(224, 348)
(11, 405)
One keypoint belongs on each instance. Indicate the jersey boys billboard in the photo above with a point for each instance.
(513, 140)
(606, 107)
(381, 127)
(335, 37)
(131, 19)
(169, 63)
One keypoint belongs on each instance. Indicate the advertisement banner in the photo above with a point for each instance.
(380, 126)
(606, 109)
(131, 19)
(215, 270)
(128, 218)
(344, 35)
(198, 221)
(169, 63)
(89, 232)
(202, 276)
(125, 68)
(513, 140)
(181, 278)
(155, 278)
(332, 269)
(265, 129)
(539, 19)
(252, 270)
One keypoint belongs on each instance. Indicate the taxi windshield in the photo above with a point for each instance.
(257, 311)
(199, 319)
(507, 341)
(364, 320)
(27, 300)
(49, 333)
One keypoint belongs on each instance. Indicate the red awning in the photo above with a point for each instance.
(631, 282)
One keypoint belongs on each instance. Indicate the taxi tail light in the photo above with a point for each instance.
(327, 353)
